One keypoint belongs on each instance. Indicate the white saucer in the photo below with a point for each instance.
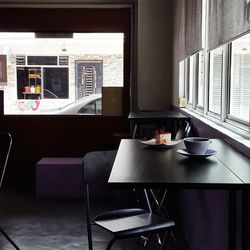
(208, 153)
(152, 143)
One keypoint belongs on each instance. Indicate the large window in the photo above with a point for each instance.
(220, 90)
(64, 71)
(92, 53)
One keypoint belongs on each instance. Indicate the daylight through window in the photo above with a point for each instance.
(49, 75)
(220, 90)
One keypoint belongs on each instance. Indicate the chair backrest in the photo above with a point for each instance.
(97, 165)
(5, 146)
(183, 131)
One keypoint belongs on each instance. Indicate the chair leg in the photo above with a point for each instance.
(173, 237)
(90, 243)
(147, 242)
(9, 239)
(111, 243)
(143, 241)
(164, 241)
(89, 237)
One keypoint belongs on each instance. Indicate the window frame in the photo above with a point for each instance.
(224, 119)
(229, 121)
(231, 118)
(200, 67)
(191, 64)
(210, 112)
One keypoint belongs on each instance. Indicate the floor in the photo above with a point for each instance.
(51, 224)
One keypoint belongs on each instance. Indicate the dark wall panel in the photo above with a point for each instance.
(65, 20)
(35, 137)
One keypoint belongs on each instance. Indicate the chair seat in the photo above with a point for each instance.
(119, 213)
(127, 224)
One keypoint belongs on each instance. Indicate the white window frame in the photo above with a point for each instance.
(200, 78)
(224, 119)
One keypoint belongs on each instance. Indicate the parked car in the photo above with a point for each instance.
(88, 105)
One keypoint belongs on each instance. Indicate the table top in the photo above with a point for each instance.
(168, 114)
(60, 161)
(141, 166)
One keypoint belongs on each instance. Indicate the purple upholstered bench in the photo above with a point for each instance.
(59, 177)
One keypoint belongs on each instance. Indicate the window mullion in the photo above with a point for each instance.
(206, 81)
(186, 77)
(206, 58)
(195, 81)
(249, 120)
(225, 78)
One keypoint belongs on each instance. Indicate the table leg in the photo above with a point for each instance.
(147, 200)
(159, 201)
(245, 242)
(150, 210)
(232, 220)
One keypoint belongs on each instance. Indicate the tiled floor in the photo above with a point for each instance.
(51, 224)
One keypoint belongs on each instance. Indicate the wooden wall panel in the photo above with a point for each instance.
(65, 20)
(35, 137)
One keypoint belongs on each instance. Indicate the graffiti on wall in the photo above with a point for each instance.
(29, 105)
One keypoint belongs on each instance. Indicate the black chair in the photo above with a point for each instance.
(183, 131)
(122, 223)
(5, 146)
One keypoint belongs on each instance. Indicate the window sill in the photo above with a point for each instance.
(234, 138)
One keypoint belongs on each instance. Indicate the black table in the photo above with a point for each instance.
(141, 166)
(160, 118)
(137, 165)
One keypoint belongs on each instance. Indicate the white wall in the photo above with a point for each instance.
(51, 46)
(154, 54)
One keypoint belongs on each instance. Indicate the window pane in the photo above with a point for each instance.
(55, 80)
(65, 70)
(200, 90)
(28, 80)
(215, 81)
(190, 79)
(240, 79)
(42, 60)
(182, 79)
